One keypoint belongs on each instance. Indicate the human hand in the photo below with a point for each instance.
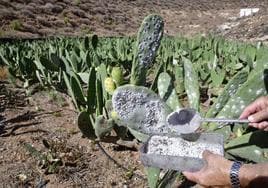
(257, 113)
(215, 173)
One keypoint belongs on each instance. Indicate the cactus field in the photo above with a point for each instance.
(74, 111)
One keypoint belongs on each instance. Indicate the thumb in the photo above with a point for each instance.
(259, 116)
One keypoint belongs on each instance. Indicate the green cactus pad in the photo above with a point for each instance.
(141, 109)
(179, 84)
(150, 34)
(229, 90)
(103, 126)
(117, 75)
(253, 88)
(85, 125)
(191, 84)
(167, 91)
(247, 93)
(252, 146)
(138, 135)
(109, 85)
(148, 42)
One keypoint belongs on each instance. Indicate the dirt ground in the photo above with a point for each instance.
(40, 144)
(46, 123)
(44, 18)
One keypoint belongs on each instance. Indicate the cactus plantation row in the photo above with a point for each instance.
(138, 82)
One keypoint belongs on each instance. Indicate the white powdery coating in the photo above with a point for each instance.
(164, 145)
(126, 101)
(129, 103)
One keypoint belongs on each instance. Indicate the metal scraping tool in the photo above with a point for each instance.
(188, 120)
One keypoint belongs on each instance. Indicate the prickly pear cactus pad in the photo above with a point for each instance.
(229, 90)
(176, 146)
(253, 88)
(141, 109)
(148, 42)
(150, 34)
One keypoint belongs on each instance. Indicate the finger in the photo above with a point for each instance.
(254, 106)
(259, 116)
(255, 125)
(192, 176)
(249, 110)
(266, 129)
(263, 125)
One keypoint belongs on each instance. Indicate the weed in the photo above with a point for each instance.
(77, 2)
(55, 156)
(16, 25)
(55, 97)
(86, 31)
(129, 174)
(73, 131)
(3, 73)
(2, 33)
(66, 20)
(57, 114)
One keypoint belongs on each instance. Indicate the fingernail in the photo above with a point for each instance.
(251, 118)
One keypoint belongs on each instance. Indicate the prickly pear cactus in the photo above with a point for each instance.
(252, 146)
(148, 42)
(109, 85)
(117, 75)
(229, 90)
(140, 109)
(179, 85)
(253, 88)
(85, 125)
(191, 84)
(103, 126)
(167, 91)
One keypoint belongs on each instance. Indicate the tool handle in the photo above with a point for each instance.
(221, 120)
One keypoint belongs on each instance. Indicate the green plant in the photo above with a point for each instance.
(148, 42)
(210, 74)
(167, 91)
(140, 108)
(2, 33)
(66, 20)
(77, 2)
(16, 25)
